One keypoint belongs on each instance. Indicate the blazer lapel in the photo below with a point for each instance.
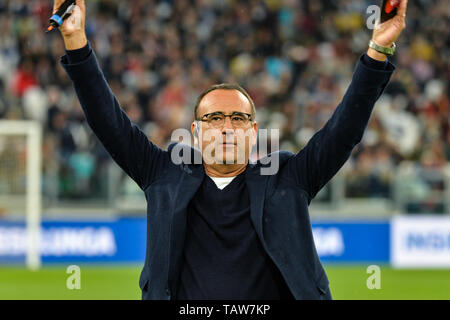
(186, 188)
(256, 184)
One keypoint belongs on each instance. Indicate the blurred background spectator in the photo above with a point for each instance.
(294, 57)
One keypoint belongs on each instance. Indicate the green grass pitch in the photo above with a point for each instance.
(121, 283)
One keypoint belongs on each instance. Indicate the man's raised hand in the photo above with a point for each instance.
(387, 32)
(73, 28)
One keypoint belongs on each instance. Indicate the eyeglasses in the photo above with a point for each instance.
(217, 119)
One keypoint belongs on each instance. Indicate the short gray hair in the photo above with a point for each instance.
(225, 86)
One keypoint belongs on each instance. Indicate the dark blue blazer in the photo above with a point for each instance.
(279, 202)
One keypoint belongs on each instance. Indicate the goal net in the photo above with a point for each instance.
(20, 181)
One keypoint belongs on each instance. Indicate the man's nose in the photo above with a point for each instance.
(227, 126)
(227, 130)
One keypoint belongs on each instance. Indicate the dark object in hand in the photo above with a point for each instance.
(63, 12)
(389, 9)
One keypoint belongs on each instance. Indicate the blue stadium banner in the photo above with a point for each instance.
(352, 241)
(124, 240)
(121, 241)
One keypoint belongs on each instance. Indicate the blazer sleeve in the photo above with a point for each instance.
(142, 160)
(331, 146)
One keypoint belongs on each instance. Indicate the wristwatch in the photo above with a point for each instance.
(385, 50)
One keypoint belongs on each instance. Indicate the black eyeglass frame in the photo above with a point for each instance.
(249, 116)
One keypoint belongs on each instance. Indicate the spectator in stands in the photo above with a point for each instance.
(321, 42)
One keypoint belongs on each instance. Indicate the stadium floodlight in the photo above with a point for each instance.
(25, 185)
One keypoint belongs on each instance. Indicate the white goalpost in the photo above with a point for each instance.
(20, 179)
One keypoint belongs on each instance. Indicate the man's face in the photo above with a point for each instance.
(230, 142)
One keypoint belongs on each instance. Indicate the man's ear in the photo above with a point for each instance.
(255, 134)
(194, 129)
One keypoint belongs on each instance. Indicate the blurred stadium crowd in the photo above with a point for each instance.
(295, 58)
